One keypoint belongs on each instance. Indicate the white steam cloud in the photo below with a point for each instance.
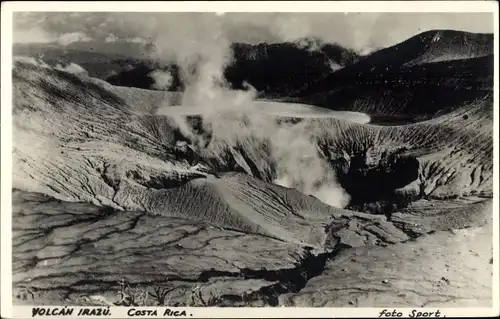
(68, 38)
(301, 167)
(30, 60)
(163, 79)
(202, 59)
(71, 68)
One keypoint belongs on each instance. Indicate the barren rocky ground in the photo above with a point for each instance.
(120, 199)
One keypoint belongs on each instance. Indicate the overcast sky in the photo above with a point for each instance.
(363, 32)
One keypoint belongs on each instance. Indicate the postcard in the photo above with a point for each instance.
(250, 159)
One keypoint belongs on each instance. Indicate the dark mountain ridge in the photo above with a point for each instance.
(430, 46)
(414, 79)
(409, 81)
(427, 47)
(261, 65)
(279, 69)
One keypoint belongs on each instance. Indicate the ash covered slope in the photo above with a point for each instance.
(231, 147)
(80, 141)
(76, 141)
(442, 158)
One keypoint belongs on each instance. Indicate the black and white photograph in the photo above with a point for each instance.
(252, 159)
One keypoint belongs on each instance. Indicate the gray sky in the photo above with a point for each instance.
(363, 32)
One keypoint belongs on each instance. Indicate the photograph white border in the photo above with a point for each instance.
(10, 311)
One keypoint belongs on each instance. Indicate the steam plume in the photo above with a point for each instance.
(202, 64)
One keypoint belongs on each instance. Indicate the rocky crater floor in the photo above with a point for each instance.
(81, 254)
